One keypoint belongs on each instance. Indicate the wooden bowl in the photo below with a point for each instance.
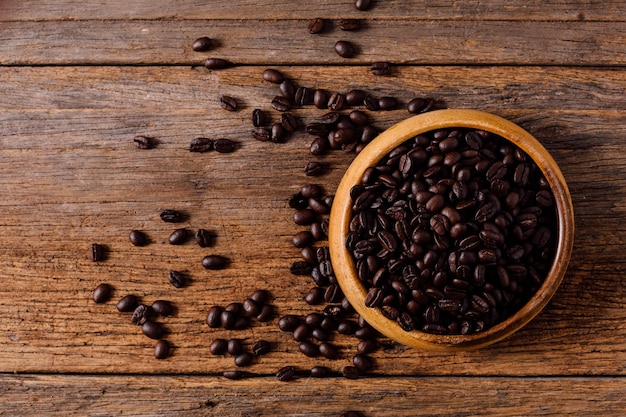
(341, 214)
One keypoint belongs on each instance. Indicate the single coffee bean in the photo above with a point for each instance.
(234, 307)
(362, 5)
(144, 142)
(234, 375)
(241, 323)
(215, 262)
(336, 101)
(217, 64)
(140, 315)
(179, 236)
(97, 252)
(314, 296)
(262, 134)
(290, 122)
(258, 118)
(266, 313)
(262, 347)
(309, 349)
(162, 308)
(225, 145)
(371, 103)
(250, 308)
(201, 145)
(350, 24)
(234, 347)
(320, 99)
(213, 318)
(273, 76)
(419, 105)
(363, 362)
(381, 68)
(138, 238)
(350, 372)
(102, 293)
(260, 297)
(162, 349)
(355, 97)
(345, 49)
(218, 347)
(278, 133)
(177, 279)
(228, 103)
(172, 216)
(301, 333)
(367, 346)
(287, 89)
(201, 44)
(243, 359)
(314, 169)
(328, 350)
(315, 25)
(281, 103)
(127, 303)
(387, 103)
(286, 373)
(304, 217)
(228, 320)
(288, 323)
(300, 268)
(204, 238)
(320, 371)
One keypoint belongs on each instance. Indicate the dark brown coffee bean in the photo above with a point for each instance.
(162, 349)
(138, 238)
(281, 103)
(319, 146)
(302, 239)
(153, 330)
(355, 97)
(235, 375)
(218, 347)
(314, 169)
(300, 268)
(217, 64)
(127, 303)
(102, 293)
(371, 103)
(374, 297)
(328, 350)
(97, 252)
(303, 96)
(278, 133)
(243, 359)
(201, 145)
(228, 319)
(172, 216)
(201, 44)
(363, 362)
(315, 25)
(336, 101)
(213, 318)
(258, 118)
(204, 238)
(367, 346)
(301, 332)
(262, 347)
(320, 99)
(234, 347)
(266, 313)
(273, 76)
(177, 279)
(345, 49)
(350, 372)
(309, 349)
(225, 145)
(179, 236)
(162, 308)
(215, 262)
(350, 24)
(287, 89)
(290, 122)
(286, 373)
(362, 5)
(419, 105)
(320, 371)
(228, 103)
(314, 296)
(144, 142)
(262, 134)
(288, 323)
(381, 69)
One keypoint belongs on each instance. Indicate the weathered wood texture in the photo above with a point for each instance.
(72, 395)
(73, 177)
(284, 42)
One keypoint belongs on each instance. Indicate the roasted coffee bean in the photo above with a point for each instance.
(371, 103)
(320, 371)
(273, 76)
(367, 346)
(387, 103)
(204, 238)
(303, 239)
(328, 350)
(290, 122)
(314, 296)
(262, 347)
(319, 146)
(278, 134)
(419, 105)
(355, 97)
(162, 349)
(127, 303)
(320, 99)
(213, 318)
(179, 236)
(262, 134)
(177, 279)
(234, 347)
(153, 330)
(350, 372)
(345, 49)
(381, 68)
(218, 347)
(286, 373)
(303, 96)
(336, 101)
(374, 297)
(309, 349)
(172, 216)
(217, 64)
(314, 169)
(102, 293)
(215, 262)
(258, 118)
(234, 375)
(281, 103)
(266, 313)
(288, 323)
(362, 5)
(363, 362)
(315, 25)
(144, 142)
(201, 145)
(225, 145)
(138, 238)
(301, 332)
(97, 252)
(201, 44)
(300, 268)
(260, 297)
(250, 308)
(162, 308)
(350, 24)
(287, 89)
(243, 359)
(228, 319)
(228, 103)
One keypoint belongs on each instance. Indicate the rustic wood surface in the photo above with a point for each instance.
(80, 79)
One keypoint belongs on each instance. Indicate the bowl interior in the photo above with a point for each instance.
(341, 214)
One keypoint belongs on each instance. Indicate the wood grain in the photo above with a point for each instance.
(286, 42)
(75, 178)
(74, 395)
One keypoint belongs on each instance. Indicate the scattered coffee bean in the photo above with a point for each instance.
(309, 349)
(281, 103)
(387, 103)
(315, 25)
(363, 362)
(213, 318)
(260, 297)
(286, 373)
(217, 64)
(419, 105)
(336, 101)
(228, 320)
(234, 347)
(215, 262)
(355, 97)
(320, 371)
(177, 279)
(162, 349)
(172, 216)
(234, 375)
(262, 134)
(266, 313)
(201, 145)
(350, 24)
(179, 236)
(288, 323)
(228, 103)
(381, 68)
(140, 314)
(127, 303)
(201, 44)
(314, 169)
(144, 142)
(138, 238)
(262, 347)
(320, 99)
(97, 252)
(225, 145)
(345, 49)
(153, 330)
(290, 122)
(102, 293)
(218, 347)
(350, 372)
(273, 76)
(328, 350)
(204, 238)
(278, 134)
(250, 308)
(287, 89)
(162, 308)
(243, 359)
(362, 5)
(258, 118)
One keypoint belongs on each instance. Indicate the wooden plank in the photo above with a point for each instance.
(71, 177)
(283, 42)
(71, 395)
(611, 10)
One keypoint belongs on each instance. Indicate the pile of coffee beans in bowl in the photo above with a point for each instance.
(452, 232)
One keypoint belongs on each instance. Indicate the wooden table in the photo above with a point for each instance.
(80, 79)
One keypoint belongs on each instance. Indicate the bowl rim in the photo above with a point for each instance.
(341, 213)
